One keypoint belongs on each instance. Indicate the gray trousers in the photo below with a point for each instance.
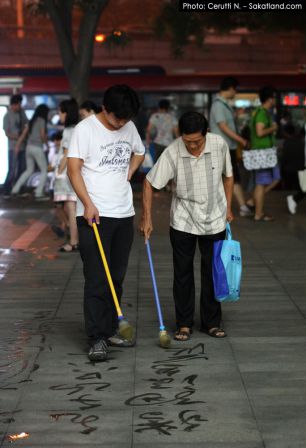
(34, 154)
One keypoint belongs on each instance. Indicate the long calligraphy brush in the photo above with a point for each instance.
(164, 338)
(125, 329)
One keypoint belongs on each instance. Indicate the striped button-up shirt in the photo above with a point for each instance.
(198, 200)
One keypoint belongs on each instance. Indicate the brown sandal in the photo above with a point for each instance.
(216, 332)
(265, 218)
(182, 335)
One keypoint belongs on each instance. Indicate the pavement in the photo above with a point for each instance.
(245, 391)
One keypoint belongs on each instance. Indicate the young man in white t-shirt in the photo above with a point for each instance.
(105, 151)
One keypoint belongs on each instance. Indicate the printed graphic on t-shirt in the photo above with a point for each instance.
(116, 156)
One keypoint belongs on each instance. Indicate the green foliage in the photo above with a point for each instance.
(179, 27)
(36, 7)
(183, 28)
(117, 38)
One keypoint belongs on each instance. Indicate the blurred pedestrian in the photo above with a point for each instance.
(88, 108)
(162, 128)
(222, 122)
(64, 194)
(201, 205)
(104, 152)
(36, 134)
(56, 140)
(14, 122)
(263, 130)
(62, 227)
(293, 160)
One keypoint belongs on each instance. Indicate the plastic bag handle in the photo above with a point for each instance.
(228, 231)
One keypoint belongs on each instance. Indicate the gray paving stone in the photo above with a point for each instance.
(204, 442)
(246, 391)
(67, 428)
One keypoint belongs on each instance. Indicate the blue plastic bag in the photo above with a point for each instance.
(148, 162)
(227, 268)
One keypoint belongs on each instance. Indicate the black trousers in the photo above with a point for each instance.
(158, 150)
(184, 246)
(101, 319)
(299, 196)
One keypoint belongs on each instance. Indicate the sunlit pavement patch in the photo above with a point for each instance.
(29, 235)
(4, 251)
(13, 437)
(3, 270)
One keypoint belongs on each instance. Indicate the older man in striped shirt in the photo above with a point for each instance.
(199, 164)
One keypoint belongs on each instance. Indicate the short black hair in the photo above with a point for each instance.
(16, 99)
(122, 101)
(57, 136)
(266, 92)
(71, 108)
(164, 104)
(191, 122)
(90, 105)
(229, 82)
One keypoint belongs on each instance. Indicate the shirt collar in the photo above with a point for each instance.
(224, 100)
(221, 98)
(184, 153)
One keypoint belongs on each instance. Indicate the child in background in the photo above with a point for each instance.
(62, 229)
(63, 192)
(88, 108)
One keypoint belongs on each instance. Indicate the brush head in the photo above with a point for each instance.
(126, 330)
(164, 339)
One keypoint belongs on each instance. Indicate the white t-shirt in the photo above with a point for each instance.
(163, 123)
(106, 156)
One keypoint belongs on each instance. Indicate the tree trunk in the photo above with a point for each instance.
(79, 86)
(77, 65)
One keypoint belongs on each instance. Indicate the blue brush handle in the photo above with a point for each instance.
(160, 317)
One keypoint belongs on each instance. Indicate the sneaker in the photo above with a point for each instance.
(291, 204)
(251, 207)
(42, 198)
(117, 341)
(245, 211)
(24, 195)
(98, 352)
(6, 197)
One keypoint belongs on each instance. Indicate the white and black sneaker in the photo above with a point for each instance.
(245, 210)
(117, 341)
(98, 351)
(291, 204)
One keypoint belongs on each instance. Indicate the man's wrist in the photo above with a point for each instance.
(88, 203)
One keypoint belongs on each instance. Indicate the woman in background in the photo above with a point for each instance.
(63, 192)
(36, 134)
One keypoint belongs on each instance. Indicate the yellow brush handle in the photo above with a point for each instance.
(109, 278)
